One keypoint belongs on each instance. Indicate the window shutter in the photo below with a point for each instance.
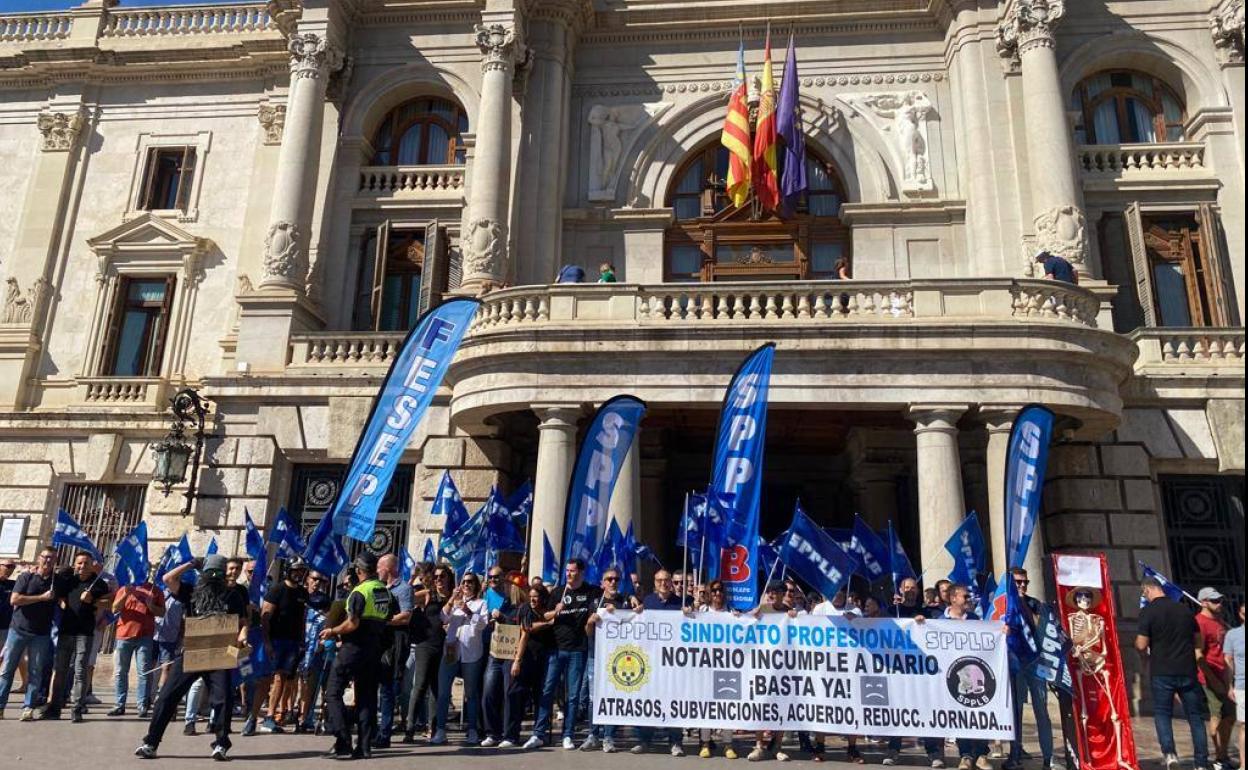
(112, 328)
(149, 180)
(1219, 287)
(161, 332)
(1140, 263)
(186, 178)
(454, 268)
(379, 272)
(433, 273)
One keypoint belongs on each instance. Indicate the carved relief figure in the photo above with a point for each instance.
(614, 129)
(1063, 230)
(486, 251)
(282, 258)
(1227, 27)
(908, 113)
(272, 119)
(60, 130)
(19, 309)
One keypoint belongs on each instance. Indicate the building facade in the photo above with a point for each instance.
(256, 200)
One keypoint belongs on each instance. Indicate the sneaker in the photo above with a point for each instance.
(76, 717)
(471, 739)
(28, 715)
(781, 756)
(569, 744)
(146, 751)
(677, 750)
(890, 758)
(937, 761)
(608, 746)
(996, 750)
(117, 711)
(188, 728)
(965, 763)
(488, 743)
(438, 738)
(757, 755)
(249, 728)
(590, 743)
(145, 712)
(220, 754)
(640, 748)
(704, 752)
(730, 753)
(48, 714)
(270, 725)
(982, 763)
(532, 743)
(1172, 762)
(506, 743)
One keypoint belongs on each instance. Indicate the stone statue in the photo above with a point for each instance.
(907, 114)
(485, 252)
(614, 129)
(283, 261)
(1087, 636)
(20, 309)
(1227, 28)
(1063, 230)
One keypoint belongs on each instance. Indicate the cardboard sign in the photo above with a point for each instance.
(504, 641)
(211, 644)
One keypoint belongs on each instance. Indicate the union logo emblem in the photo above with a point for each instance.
(629, 668)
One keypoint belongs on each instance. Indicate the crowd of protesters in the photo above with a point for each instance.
(400, 644)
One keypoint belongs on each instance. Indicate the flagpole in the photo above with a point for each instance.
(684, 565)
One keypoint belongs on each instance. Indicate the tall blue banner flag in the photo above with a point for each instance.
(738, 471)
(406, 393)
(814, 556)
(597, 467)
(1026, 457)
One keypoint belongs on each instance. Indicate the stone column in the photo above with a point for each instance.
(941, 505)
(626, 497)
(313, 58)
(998, 424)
(1026, 35)
(485, 236)
(556, 457)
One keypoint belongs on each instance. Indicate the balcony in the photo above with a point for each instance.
(1121, 166)
(429, 185)
(1196, 350)
(34, 27)
(141, 393)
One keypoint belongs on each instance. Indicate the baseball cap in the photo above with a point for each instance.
(214, 562)
(1208, 594)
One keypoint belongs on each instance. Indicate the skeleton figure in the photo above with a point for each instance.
(1087, 635)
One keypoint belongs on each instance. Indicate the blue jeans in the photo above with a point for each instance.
(564, 662)
(38, 650)
(388, 692)
(126, 650)
(1030, 687)
(1195, 706)
(472, 674)
(585, 702)
(972, 749)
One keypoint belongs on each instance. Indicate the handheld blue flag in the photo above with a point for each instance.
(407, 565)
(132, 563)
(598, 466)
(519, 505)
(212, 546)
(737, 470)
(814, 556)
(501, 531)
(898, 561)
(1050, 665)
(768, 555)
(966, 546)
(175, 555)
(285, 536)
(449, 504)
(254, 542)
(550, 562)
(68, 533)
(430, 554)
(1027, 456)
(1173, 592)
(871, 551)
(640, 551)
(325, 552)
(987, 590)
(406, 393)
(259, 572)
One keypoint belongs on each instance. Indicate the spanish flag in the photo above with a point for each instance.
(766, 182)
(736, 135)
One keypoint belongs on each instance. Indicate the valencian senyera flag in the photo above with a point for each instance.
(406, 393)
(792, 136)
(597, 468)
(736, 135)
(738, 473)
(766, 183)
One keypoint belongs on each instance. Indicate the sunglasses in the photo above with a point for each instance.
(1022, 582)
(717, 590)
(495, 577)
(610, 579)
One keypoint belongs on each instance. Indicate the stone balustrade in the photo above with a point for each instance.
(412, 181)
(1126, 160)
(122, 391)
(1189, 346)
(19, 27)
(188, 20)
(365, 349)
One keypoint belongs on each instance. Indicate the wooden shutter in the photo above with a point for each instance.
(112, 327)
(382, 249)
(161, 332)
(186, 177)
(1140, 263)
(1217, 284)
(455, 269)
(149, 180)
(433, 271)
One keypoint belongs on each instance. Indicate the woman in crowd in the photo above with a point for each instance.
(428, 637)
(717, 602)
(537, 643)
(463, 655)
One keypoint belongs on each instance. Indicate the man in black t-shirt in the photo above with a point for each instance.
(1170, 645)
(6, 608)
(78, 590)
(574, 602)
(209, 597)
(282, 614)
(30, 631)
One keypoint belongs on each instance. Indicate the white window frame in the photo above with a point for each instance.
(146, 142)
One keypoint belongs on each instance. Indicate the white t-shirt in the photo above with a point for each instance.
(825, 608)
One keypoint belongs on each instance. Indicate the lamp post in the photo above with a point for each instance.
(173, 453)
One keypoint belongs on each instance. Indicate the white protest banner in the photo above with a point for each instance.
(942, 678)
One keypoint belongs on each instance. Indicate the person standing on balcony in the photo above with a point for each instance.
(571, 274)
(1057, 268)
(136, 608)
(606, 273)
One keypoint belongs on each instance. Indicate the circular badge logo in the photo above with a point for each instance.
(629, 668)
(971, 682)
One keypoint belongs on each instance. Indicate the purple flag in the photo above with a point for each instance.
(792, 136)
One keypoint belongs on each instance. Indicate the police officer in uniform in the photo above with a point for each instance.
(369, 608)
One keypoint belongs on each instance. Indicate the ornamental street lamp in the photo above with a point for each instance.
(173, 453)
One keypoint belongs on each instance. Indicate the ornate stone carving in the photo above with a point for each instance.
(485, 251)
(243, 285)
(19, 309)
(272, 119)
(60, 130)
(1063, 231)
(908, 113)
(284, 262)
(1227, 27)
(498, 46)
(312, 56)
(614, 130)
(1028, 23)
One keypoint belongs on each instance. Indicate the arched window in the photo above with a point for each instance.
(422, 132)
(711, 240)
(1124, 107)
